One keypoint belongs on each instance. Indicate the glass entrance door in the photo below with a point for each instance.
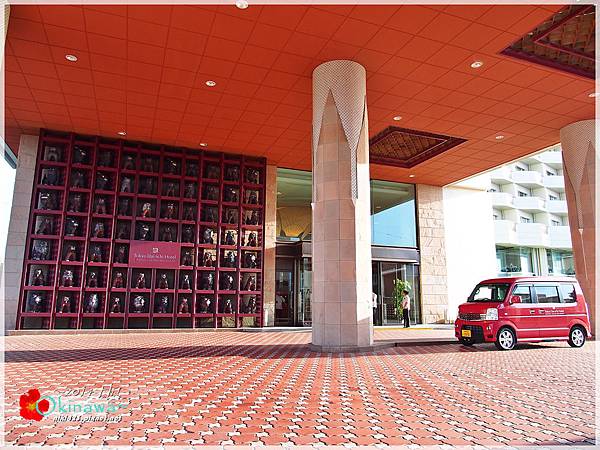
(284, 292)
(384, 274)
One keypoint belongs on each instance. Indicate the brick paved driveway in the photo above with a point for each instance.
(240, 388)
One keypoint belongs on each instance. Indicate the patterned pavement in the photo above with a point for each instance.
(224, 388)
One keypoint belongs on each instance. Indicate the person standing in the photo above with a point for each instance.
(406, 308)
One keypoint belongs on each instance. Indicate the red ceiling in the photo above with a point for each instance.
(143, 69)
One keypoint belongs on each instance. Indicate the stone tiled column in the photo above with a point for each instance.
(341, 238)
(432, 244)
(17, 228)
(270, 235)
(579, 165)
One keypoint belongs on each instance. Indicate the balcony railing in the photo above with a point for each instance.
(554, 182)
(527, 177)
(505, 232)
(500, 175)
(559, 237)
(550, 157)
(501, 199)
(529, 203)
(557, 206)
(532, 234)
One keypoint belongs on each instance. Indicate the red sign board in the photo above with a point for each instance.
(154, 255)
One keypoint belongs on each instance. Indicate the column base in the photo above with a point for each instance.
(350, 348)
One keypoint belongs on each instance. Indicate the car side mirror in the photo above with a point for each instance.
(514, 299)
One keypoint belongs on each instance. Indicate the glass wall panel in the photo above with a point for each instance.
(304, 291)
(389, 271)
(294, 213)
(560, 262)
(393, 220)
(511, 260)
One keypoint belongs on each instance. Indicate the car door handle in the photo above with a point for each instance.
(532, 311)
(542, 311)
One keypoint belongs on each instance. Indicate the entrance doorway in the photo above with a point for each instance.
(284, 292)
(384, 274)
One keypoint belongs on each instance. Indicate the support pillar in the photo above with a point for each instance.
(579, 165)
(342, 314)
(270, 236)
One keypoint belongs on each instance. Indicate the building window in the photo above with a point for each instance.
(550, 174)
(556, 223)
(492, 190)
(520, 169)
(514, 259)
(393, 214)
(552, 197)
(560, 262)
(523, 194)
(294, 213)
(525, 220)
(496, 217)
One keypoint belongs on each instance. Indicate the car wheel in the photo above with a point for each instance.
(577, 337)
(466, 343)
(506, 339)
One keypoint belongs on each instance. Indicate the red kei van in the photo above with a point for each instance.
(524, 309)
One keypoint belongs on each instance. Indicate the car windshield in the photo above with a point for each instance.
(489, 293)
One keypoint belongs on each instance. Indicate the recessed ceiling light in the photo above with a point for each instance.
(411, 176)
(397, 118)
(593, 94)
(499, 137)
(121, 133)
(203, 144)
(242, 4)
(211, 83)
(278, 193)
(71, 58)
(476, 64)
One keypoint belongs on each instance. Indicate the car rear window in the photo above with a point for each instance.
(568, 293)
(547, 294)
(524, 292)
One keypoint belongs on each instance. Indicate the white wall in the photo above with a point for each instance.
(470, 247)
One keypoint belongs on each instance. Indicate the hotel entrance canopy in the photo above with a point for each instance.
(469, 87)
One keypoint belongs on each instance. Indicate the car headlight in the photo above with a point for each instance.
(491, 314)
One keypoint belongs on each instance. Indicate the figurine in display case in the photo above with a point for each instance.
(170, 211)
(75, 203)
(144, 233)
(124, 207)
(252, 241)
(252, 218)
(92, 305)
(147, 210)
(102, 182)
(207, 260)
(187, 234)
(40, 250)
(115, 305)
(210, 215)
(126, 184)
(232, 173)
(118, 280)
(147, 186)
(184, 306)
(231, 216)
(189, 213)
(163, 282)
(95, 253)
(47, 200)
(51, 153)
(168, 234)
(50, 176)
(253, 176)
(230, 259)
(80, 155)
(147, 164)
(105, 159)
(228, 307)
(140, 282)
(36, 304)
(205, 305)
(170, 189)
(252, 197)
(100, 206)
(226, 282)
(99, 230)
(250, 305)
(163, 305)
(185, 282)
(70, 253)
(121, 255)
(229, 238)
(190, 190)
(122, 231)
(211, 192)
(207, 282)
(207, 236)
(45, 226)
(65, 304)
(191, 169)
(231, 195)
(38, 278)
(187, 259)
(212, 171)
(138, 303)
(250, 260)
(71, 226)
(250, 284)
(171, 166)
(68, 278)
(92, 280)
(78, 179)
(128, 162)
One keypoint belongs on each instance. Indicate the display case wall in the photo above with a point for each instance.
(98, 204)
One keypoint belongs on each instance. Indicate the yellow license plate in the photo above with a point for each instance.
(466, 333)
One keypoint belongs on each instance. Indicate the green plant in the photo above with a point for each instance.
(399, 287)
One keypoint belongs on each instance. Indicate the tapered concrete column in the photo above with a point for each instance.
(579, 164)
(341, 237)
